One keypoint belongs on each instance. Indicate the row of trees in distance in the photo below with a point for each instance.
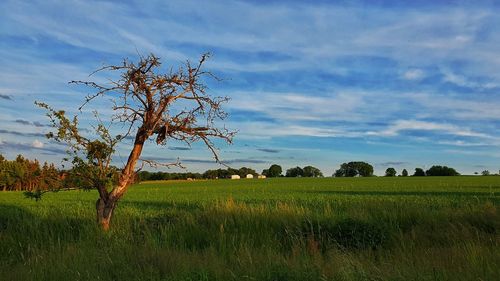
(24, 174)
(419, 172)
(363, 169)
(273, 172)
(28, 175)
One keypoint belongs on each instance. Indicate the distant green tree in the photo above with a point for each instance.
(437, 170)
(294, 172)
(338, 173)
(49, 177)
(404, 173)
(232, 171)
(419, 172)
(225, 173)
(265, 172)
(146, 176)
(485, 173)
(4, 181)
(311, 172)
(216, 174)
(210, 174)
(244, 171)
(273, 172)
(390, 172)
(27, 175)
(353, 169)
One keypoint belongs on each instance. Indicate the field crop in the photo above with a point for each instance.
(412, 228)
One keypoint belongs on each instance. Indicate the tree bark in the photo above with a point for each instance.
(105, 210)
(106, 204)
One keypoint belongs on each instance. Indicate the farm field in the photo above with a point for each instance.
(411, 228)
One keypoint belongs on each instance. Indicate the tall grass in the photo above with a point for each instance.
(274, 229)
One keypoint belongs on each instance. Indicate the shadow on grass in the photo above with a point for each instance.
(22, 224)
(160, 205)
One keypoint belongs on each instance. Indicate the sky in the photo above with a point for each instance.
(400, 84)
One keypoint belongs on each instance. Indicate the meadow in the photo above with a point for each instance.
(403, 228)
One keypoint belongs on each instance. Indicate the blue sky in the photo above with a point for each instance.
(401, 85)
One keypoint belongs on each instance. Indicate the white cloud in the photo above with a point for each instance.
(263, 130)
(455, 107)
(37, 144)
(413, 74)
(407, 125)
(463, 81)
(302, 107)
(474, 153)
(465, 143)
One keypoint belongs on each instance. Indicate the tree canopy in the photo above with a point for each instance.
(390, 172)
(441, 171)
(353, 169)
(311, 172)
(419, 172)
(23, 174)
(404, 173)
(294, 172)
(273, 172)
(307, 172)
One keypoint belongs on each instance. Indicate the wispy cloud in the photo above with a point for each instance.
(268, 150)
(31, 123)
(5, 97)
(206, 161)
(468, 143)
(458, 107)
(408, 125)
(179, 148)
(392, 163)
(296, 106)
(413, 74)
(21, 133)
(491, 154)
(23, 122)
(37, 144)
(462, 81)
(19, 147)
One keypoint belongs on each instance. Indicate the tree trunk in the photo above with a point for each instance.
(105, 210)
(106, 204)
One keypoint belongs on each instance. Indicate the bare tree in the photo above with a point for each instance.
(143, 99)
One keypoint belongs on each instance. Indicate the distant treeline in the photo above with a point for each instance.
(363, 169)
(209, 174)
(161, 176)
(22, 174)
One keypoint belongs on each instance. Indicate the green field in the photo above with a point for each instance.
(427, 228)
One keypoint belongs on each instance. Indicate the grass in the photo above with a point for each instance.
(274, 229)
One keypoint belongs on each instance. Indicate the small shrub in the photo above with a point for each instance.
(346, 234)
(355, 234)
(485, 220)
